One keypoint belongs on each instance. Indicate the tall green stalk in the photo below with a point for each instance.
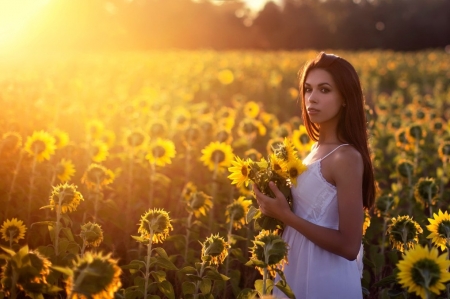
(30, 190)
(147, 264)
(13, 184)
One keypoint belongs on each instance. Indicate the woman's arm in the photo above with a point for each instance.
(347, 173)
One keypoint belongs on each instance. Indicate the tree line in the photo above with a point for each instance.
(403, 25)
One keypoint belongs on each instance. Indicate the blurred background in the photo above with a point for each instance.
(401, 25)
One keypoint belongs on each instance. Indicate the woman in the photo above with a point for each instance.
(324, 229)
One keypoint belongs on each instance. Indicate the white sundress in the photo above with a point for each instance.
(313, 272)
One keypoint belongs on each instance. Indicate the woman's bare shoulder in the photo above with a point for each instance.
(347, 158)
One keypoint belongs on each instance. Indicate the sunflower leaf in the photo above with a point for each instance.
(64, 270)
(247, 294)
(166, 288)
(188, 288)
(9, 251)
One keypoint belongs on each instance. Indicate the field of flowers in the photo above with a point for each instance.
(114, 172)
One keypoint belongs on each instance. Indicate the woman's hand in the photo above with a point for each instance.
(277, 207)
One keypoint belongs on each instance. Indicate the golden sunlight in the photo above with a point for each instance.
(14, 17)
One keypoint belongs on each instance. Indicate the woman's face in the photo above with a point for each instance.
(323, 100)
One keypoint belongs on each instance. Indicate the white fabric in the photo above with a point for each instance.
(312, 272)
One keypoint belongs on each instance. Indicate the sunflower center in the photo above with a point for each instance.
(181, 120)
(11, 142)
(222, 136)
(38, 146)
(95, 151)
(249, 128)
(193, 134)
(135, 139)
(444, 228)
(60, 169)
(157, 129)
(218, 156)
(158, 151)
(244, 170)
(420, 114)
(293, 172)
(438, 126)
(304, 139)
(405, 169)
(396, 124)
(427, 190)
(416, 132)
(425, 270)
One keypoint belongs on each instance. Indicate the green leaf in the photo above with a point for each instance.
(188, 269)
(215, 275)
(159, 276)
(73, 248)
(66, 219)
(284, 287)
(63, 243)
(252, 211)
(165, 263)
(68, 233)
(51, 223)
(205, 286)
(188, 288)
(64, 270)
(388, 280)
(247, 294)
(237, 253)
(9, 251)
(259, 286)
(134, 264)
(166, 288)
(139, 239)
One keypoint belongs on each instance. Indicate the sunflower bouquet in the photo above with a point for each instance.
(281, 167)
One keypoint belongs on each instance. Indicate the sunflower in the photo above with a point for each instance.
(217, 155)
(293, 93)
(239, 172)
(384, 204)
(301, 140)
(188, 190)
(251, 109)
(97, 176)
(225, 117)
(41, 145)
(61, 138)
(269, 120)
(99, 151)
(157, 128)
(31, 271)
(199, 203)
(403, 232)
(269, 251)
(155, 225)
(11, 142)
(215, 249)
(108, 137)
(66, 196)
(415, 133)
(402, 140)
(223, 135)
(426, 191)
(65, 170)
(440, 229)
(295, 168)
(273, 143)
(253, 154)
(94, 129)
(283, 130)
(405, 168)
(236, 211)
(437, 126)
(94, 276)
(181, 119)
(286, 151)
(279, 166)
(225, 77)
(444, 151)
(92, 234)
(192, 135)
(251, 127)
(136, 139)
(422, 271)
(13, 230)
(161, 152)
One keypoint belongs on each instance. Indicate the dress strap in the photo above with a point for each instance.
(333, 151)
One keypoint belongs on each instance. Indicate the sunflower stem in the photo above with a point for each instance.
(227, 263)
(197, 284)
(30, 191)
(15, 278)
(214, 189)
(441, 190)
(58, 219)
(11, 235)
(13, 183)
(264, 281)
(188, 233)
(383, 237)
(96, 198)
(147, 264)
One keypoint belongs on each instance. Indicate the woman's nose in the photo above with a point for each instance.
(311, 97)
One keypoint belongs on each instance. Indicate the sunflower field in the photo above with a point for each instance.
(122, 174)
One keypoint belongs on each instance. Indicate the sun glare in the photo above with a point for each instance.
(14, 17)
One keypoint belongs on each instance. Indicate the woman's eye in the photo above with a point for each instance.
(307, 89)
(324, 90)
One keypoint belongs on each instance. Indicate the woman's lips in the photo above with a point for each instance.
(312, 111)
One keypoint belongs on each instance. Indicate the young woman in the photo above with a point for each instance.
(324, 229)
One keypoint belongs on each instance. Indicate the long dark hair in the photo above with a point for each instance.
(352, 126)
